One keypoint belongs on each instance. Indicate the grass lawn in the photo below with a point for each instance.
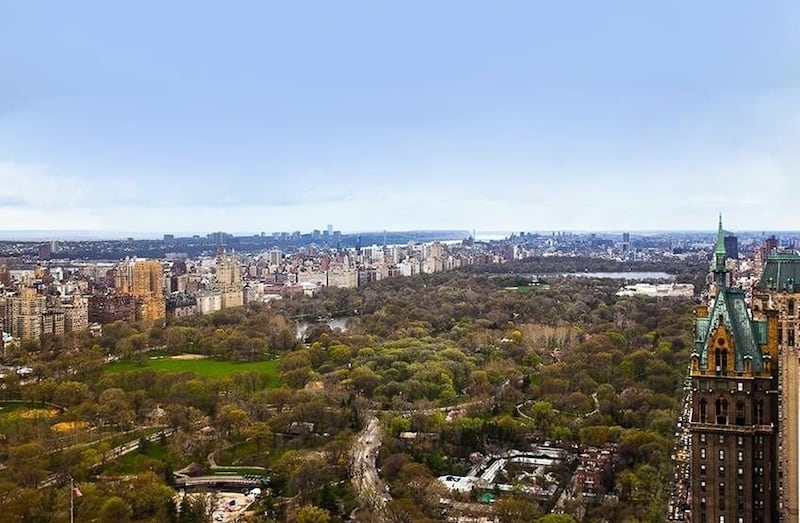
(228, 471)
(208, 368)
(11, 406)
(138, 461)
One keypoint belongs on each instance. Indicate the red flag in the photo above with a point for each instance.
(77, 491)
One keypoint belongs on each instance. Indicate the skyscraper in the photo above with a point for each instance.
(734, 375)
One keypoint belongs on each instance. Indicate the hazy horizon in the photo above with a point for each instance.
(481, 235)
(512, 115)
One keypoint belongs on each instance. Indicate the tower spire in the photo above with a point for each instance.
(720, 255)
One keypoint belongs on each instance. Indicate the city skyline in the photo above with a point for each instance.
(149, 118)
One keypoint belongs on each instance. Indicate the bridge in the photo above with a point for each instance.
(217, 481)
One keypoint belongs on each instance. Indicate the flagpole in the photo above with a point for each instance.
(71, 501)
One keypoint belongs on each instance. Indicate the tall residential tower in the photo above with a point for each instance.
(734, 374)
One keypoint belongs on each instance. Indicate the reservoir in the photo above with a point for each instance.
(631, 276)
(333, 323)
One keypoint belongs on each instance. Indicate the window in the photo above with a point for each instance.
(760, 412)
(740, 413)
(791, 337)
(740, 440)
(740, 456)
(740, 472)
(721, 518)
(740, 386)
(721, 411)
(703, 403)
(721, 360)
(721, 439)
(702, 486)
(702, 470)
(703, 453)
(702, 438)
(721, 455)
(721, 470)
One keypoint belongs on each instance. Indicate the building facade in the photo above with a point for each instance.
(734, 375)
(144, 280)
(229, 281)
(777, 295)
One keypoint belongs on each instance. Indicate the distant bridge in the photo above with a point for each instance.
(215, 481)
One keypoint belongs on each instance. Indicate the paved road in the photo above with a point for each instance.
(111, 455)
(371, 490)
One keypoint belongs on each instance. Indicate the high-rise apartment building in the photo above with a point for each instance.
(734, 375)
(144, 280)
(229, 280)
(24, 314)
(777, 295)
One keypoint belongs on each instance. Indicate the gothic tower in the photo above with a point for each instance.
(734, 475)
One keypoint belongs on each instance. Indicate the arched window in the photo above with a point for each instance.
(721, 360)
(760, 412)
(721, 411)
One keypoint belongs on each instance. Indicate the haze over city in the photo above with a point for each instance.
(186, 116)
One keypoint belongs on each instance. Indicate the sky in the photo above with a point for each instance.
(196, 116)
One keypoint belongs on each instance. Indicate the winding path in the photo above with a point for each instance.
(364, 473)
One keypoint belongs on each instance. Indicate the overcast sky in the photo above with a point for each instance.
(166, 116)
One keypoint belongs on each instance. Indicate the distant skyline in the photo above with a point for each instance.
(112, 235)
(155, 117)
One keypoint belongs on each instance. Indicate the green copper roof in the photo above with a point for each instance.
(730, 311)
(720, 248)
(719, 269)
(781, 273)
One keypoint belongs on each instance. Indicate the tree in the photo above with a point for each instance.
(312, 514)
(556, 518)
(26, 463)
(516, 510)
(114, 408)
(115, 510)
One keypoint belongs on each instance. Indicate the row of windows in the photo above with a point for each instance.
(725, 385)
(758, 454)
(789, 338)
(758, 440)
(721, 412)
(759, 471)
(739, 519)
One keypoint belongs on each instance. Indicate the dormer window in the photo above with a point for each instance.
(721, 360)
